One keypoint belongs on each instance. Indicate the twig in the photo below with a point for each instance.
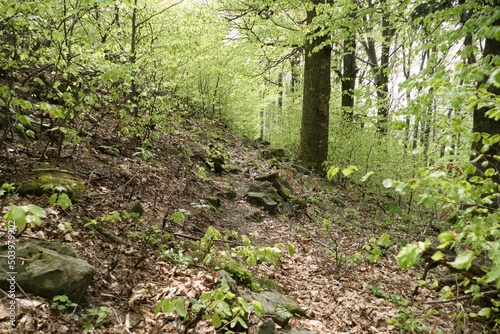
(482, 294)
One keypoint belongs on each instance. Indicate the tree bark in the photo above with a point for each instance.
(483, 124)
(349, 77)
(315, 104)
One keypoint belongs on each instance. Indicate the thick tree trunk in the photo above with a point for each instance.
(315, 104)
(481, 122)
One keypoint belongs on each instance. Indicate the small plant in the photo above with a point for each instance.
(374, 248)
(23, 215)
(221, 306)
(143, 153)
(62, 303)
(113, 216)
(58, 196)
(95, 316)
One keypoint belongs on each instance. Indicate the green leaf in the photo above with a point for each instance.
(63, 201)
(437, 256)
(180, 307)
(388, 183)
(408, 255)
(37, 211)
(53, 198)
(493, 275)
(216, 322)
(485, 312)
(446, 237)
(291, 249)
(243, 304)
(178, 217)
(30, 134)
(463, 260)
(332, 172)
(349, 170)
(258, 308)
(384, 240)
(367, 176)
(166, 306)
(16, 215)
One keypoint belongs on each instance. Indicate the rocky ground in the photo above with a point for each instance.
(342, 285)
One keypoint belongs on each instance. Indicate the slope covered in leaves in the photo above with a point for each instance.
(343, 271)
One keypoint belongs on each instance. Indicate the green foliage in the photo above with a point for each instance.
(220, 306)
(23, 215)
(94, 317)
(62, 303)
(61, 199)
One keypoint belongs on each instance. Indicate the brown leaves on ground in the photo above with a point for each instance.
(341, 293)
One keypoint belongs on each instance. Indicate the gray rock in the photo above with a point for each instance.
(254, 216)
(266, 327)
(268, 177)
(298, 332)
(47, 269)
(264, 200)
(283, 188)
(278, 307)
(241, 192)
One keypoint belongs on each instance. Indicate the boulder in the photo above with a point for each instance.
(278, 307)
(268, 177)
(49, 180)
(46, 269)
(264, 200)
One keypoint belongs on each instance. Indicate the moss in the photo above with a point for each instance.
(48, 182)
(236, 269)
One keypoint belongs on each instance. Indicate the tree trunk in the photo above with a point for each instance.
(349, 77)
(315, 104)
(481, 122)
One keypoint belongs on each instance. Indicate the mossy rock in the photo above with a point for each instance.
(49, 180)
(236, 269)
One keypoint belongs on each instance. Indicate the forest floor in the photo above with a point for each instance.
(331, 273)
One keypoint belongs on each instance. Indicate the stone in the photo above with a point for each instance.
(266, 327)
(49, 180)
(301, 169)
(47, 269)
(264, 200)
(242, 192)
(254, 216)
(268, 177)
(283, 188)
(278, 307)
(213, 200)
(135, 207)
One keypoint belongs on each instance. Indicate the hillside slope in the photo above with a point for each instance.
(342, 272)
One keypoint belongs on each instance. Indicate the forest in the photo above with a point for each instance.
(250, 166)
